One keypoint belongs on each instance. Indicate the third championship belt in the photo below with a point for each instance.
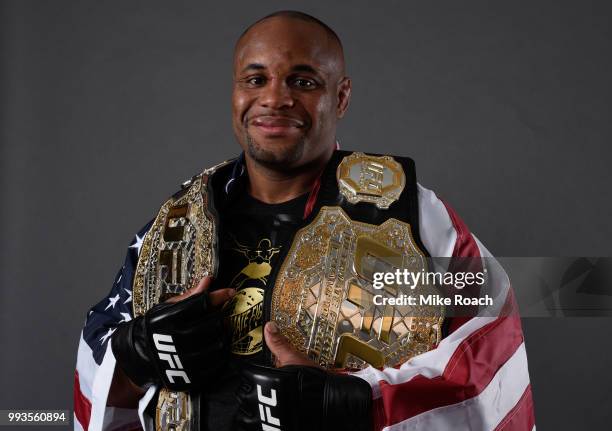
(324, 299)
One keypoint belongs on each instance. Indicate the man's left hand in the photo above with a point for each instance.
(299, 395)
(282, 351)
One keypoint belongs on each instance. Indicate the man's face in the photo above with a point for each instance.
(289, 91)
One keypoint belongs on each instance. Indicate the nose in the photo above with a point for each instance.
(276, 95)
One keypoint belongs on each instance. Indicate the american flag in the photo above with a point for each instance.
(95, 361)
(475, 379)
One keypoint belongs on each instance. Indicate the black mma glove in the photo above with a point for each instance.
(180, 345)
(299, 398)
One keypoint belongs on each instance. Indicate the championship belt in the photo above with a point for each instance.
(324, 300)
(177, 251)
(323, 296)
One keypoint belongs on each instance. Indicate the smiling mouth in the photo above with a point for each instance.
(276, 125)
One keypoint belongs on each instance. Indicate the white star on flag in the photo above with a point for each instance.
(126, 317)
(112, 301)
(129, 299)
(137, 243)
(108, 334)
(119, 279)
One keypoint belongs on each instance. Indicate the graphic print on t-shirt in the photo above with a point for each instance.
(244, 313)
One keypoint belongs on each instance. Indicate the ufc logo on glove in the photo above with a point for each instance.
(265, 413)
(164, 343)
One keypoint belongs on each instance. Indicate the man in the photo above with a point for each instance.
(184, 344)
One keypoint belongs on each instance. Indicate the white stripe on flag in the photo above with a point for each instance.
(101, 387)
(435, 226)
(77, 424)
(87, 368)
(482, 412)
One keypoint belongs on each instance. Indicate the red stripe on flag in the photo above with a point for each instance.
(82, 406)
(521, 417)
(469, 370)
(465, 245)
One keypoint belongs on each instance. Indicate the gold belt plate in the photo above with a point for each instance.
(378, 180)
(176, 253)
(323, 295)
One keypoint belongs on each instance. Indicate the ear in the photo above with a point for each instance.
(344, 96)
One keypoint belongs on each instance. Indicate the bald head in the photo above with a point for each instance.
(292, 14)
(311, 29)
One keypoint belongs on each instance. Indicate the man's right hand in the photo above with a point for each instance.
(180, 344)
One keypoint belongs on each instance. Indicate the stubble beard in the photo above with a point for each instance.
(271, 160)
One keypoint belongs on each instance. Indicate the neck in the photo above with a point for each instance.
(275, 186)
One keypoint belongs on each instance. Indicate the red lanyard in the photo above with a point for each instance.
(312, 197)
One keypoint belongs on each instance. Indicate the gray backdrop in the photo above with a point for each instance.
(107, 106)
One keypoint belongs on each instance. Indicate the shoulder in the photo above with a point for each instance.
(211, 180)
(218, 176)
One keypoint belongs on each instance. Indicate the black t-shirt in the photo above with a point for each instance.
(253, 235)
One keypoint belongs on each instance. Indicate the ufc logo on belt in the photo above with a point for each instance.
(164, 343)
(265, 413)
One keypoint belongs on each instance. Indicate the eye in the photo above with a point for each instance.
(255, 81)
(304, 83)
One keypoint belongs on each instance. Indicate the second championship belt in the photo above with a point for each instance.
(177, 251)
(324, 299)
